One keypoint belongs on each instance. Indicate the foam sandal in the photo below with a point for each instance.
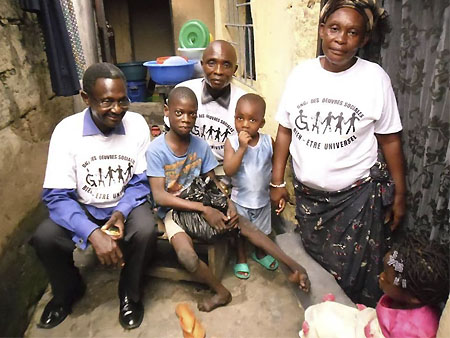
(241, 268)
(266, 261)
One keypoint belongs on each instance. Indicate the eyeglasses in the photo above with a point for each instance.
(108, 103)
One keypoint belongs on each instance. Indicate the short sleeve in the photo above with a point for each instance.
(155, 164)
(209, 161)
(143, 144)
(389, 121)
(61, 168)
(282, 115)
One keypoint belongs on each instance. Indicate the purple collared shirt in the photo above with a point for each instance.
(66, 211)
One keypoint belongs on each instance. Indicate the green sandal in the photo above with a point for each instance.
(241, 268)
(266, 261)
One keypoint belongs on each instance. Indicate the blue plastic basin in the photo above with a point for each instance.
(170, 74)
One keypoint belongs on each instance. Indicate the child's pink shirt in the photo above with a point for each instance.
(420, 322)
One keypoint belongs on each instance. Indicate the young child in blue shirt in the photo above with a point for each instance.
(173, 161)
(248, 161)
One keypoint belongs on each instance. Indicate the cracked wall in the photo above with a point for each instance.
(29, 111)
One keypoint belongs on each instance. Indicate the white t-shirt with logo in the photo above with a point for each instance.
(98, 167)
(334, 118)
(214, 123)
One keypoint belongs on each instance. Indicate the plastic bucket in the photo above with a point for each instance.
(134, 71)
(137, 91)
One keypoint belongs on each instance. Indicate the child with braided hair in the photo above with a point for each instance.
(415, 282)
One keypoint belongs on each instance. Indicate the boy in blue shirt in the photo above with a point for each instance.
(248, 161)
(173, 161)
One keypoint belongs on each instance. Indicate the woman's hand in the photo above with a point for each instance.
(281, 206)
(277, 195)
(396, 213)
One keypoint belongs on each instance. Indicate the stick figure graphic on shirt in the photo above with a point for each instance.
(128, 171)
(210, 131)
(225, 134)
(340, 118)
(203, 132)
(217, 138)
(351, 120)
(100, 177)
(304, 125)
(316, 123)
(110, 175)
(119, 171)
(90, 180)
(328, 121)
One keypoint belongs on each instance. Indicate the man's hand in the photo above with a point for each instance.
(215, 218)
(116, 220)
(244, 138)
(106, 248)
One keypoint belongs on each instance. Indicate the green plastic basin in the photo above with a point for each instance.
(194, 34)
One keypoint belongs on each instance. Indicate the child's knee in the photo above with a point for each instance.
(189, 259)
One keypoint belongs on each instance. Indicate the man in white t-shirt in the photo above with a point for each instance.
(96, 192)
(217, 96)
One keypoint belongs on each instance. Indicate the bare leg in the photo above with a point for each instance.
(187, 256)
(260, 240)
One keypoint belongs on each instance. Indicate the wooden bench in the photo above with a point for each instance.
(165, 263)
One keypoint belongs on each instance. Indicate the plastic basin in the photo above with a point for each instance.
(170, 74)
(134, 71)
(192, 53)
(194, 34)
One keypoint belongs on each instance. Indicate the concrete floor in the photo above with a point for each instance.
(262, 306)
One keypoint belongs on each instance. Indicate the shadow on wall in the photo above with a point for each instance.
(23, 277)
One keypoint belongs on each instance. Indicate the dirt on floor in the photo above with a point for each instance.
(262, 306)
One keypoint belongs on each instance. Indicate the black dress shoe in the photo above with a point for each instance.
(55, 312)
(53, 315)
(130, 313)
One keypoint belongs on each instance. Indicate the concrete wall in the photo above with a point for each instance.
(185, 10)
(286, 32)
(28, 113)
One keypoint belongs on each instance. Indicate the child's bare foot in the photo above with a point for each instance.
(300, 278)
(219, 299)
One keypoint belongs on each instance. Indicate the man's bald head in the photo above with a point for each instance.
(219, 64)
(221, 47)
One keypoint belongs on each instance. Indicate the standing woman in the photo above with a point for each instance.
(335, 112)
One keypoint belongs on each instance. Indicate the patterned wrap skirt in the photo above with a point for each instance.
(344, 231)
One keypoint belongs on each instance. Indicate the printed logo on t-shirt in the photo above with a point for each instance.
(105, 176)
(326, 124)
(212, 129)
(181, 173)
